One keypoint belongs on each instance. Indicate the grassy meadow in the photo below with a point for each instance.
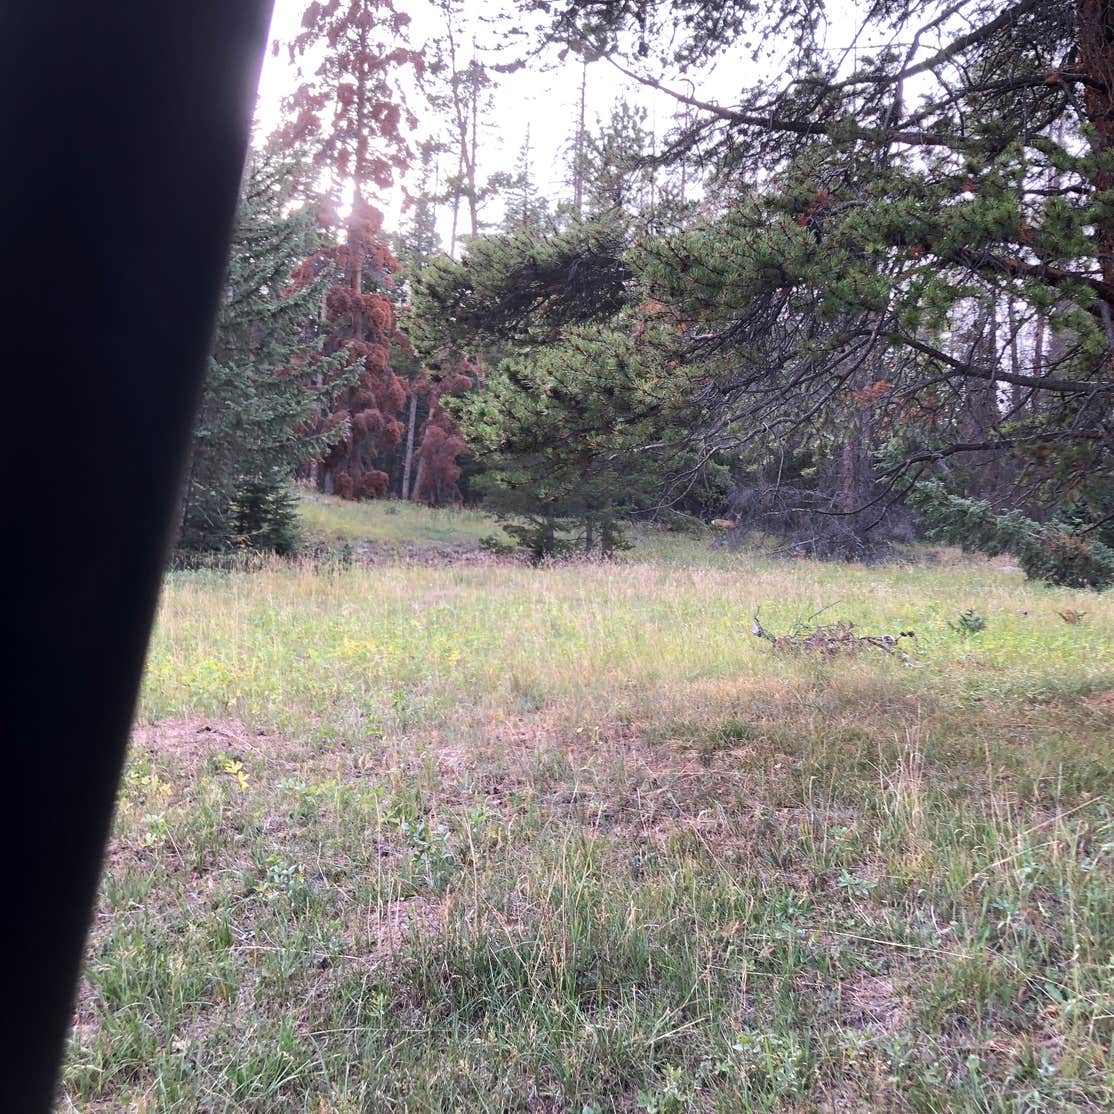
(413, 829)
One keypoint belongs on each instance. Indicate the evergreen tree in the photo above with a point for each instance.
(418, 241)
(1062, 551)
(441, 442)
(349, 111)
(431, 467)
(521, 288)
(617, 179)
(576, 435)
(257, 420)
(900, 191)
(462, 93)
(588, 411)
(525, 210)
(416, 245)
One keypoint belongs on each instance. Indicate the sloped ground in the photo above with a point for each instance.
(392, 531)
(493, 838)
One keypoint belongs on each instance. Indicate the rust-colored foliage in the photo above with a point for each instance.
(441, 445)
(869, 397)
(349, 112)
(818, 204)
(362, 328)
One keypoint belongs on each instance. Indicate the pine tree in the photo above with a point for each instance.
(578, 168)
(1063, 551)
(616, 178)
(519, 287)
(359, 315)
(577, 433)
(349, 111)
(416, 245)
(256, 424)
(462, 94)
(525, 210)
(441, 444)
(880, 197)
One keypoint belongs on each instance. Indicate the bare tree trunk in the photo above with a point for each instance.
(578, 147)
(1017, 396)
(463, 171)
(456, 210)
(473, 187)
(981, 414)
(409, 446)
(1038, 364)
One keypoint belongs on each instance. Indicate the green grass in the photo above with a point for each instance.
(391, 524)
(513, 839)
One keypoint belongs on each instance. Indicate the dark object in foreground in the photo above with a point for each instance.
(125, 134)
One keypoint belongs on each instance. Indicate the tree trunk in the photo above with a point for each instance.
(186, 494)
(578, 148)
(473, 188)
(1017, 392)
(980, 415)
(419, 479)
(1095, 48)
(1038, 364)
(409, 446)
(458, 112)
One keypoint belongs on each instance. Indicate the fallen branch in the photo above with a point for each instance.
(831, 640)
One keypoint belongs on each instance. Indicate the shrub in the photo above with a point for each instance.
(1059, 552)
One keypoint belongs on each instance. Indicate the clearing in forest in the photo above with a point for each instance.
(477, 836)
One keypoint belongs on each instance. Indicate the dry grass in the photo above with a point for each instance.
(573, 839)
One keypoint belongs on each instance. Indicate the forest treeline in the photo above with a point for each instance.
(867, 299)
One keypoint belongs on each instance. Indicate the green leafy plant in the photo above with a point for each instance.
(282, 879)
(775, 1065)
(674, 1095)
(969, 623)
(155, 830)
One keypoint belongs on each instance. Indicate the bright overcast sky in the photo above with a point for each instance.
(543, 100)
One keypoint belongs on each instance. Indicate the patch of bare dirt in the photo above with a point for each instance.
(870, 1001)
(382, 932)
(845, 1099)
(614, 779)
(190, 743)
(1102, 702)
